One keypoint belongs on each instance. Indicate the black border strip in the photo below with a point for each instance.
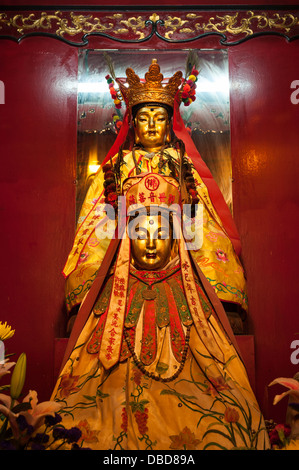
(149, 8)
(223, 41)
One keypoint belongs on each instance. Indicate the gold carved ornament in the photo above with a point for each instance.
(72, 24)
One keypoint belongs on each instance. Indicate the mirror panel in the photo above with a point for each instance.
(207, 118)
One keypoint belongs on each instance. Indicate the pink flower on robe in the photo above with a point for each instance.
(221, 256)
(83, 258)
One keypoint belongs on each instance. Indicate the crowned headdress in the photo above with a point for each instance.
(152, 89)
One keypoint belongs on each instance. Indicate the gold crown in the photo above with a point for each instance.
(151, 90)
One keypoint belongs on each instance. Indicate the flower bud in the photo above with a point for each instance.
(231, 415)
(18, 377)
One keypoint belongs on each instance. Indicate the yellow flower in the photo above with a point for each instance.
(5, 331)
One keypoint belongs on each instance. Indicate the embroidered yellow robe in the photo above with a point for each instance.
(166, 391)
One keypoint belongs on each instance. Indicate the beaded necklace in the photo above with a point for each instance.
(151, 375)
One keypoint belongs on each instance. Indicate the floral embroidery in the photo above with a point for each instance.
(215, 385)
(141, 418)
(221, 256)
(231, 415)
(87, 434)
(68, 385)
(184, 441)
(93, 242)
(83, 257)
(80, 290)
(213, 236)
(137, 375)
(232, 420)
(124, 417)
(139, 408)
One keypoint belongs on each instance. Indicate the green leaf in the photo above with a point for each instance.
(138, 405)
(216, 431)
(22, 407)
(88, 397)
(177, 394)
(144, 402)
(214, 444)
(102, 395)
(134, 406)
(229, 361)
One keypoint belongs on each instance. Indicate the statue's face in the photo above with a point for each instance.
(151, 127)
(151, 250)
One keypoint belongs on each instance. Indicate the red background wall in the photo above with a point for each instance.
(264, 126)
(37, 199)
(38, 154)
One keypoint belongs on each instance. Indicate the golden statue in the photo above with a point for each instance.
(152, 362)
(161, 145)
(155, 366)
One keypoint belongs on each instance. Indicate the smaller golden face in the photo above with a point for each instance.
(151, 127)
(151, 250)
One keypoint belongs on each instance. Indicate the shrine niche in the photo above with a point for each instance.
(151, 280)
